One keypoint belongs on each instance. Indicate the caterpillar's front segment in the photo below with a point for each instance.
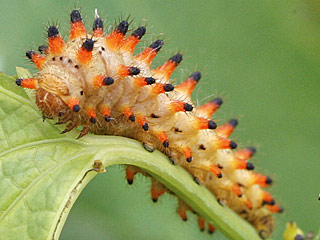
(95, 81)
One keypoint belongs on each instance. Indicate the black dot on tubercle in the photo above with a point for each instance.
(176, 58)
(145, 127)
(157, 45)
(219, 175)
(189, 159)
(196, 76)
(138, 33)
(130, 181)
(233, 122)
(98, 23)
(166, 144)
(19, 81)
(29, 54)
(212, 125)
(155, 200)
(75, 16)
(123, 27)
(134, 71)
(217, 101)
(108, 81)
(93, 120)
(252, 149)
(88, 45)
(107, 118)
(298, 237)
(43, 48)
(188, 107)
(53, 31)
(250, 166)
(150, 80)
(269, 180)
(168, 87)
(76, 108)
(233, 145)
(132, 118)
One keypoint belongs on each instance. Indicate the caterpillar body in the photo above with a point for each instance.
(93, 80)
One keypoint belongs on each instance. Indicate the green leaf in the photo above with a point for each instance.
(43, 172)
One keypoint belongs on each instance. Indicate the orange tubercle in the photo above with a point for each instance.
(236, 189)
(31, 83)
(210, 108)
(214, 169)
(261, 180)
(73, 104)
(187, 154)
(275, 208)
(168, 67)
(142, 121)
(188, 85)
(56, 45)
(227, 129)
(225, 143)
(245, 154)
(150, 52)
(211, 228)
(92, 114)
(77, 30)
(163, 137)
(36, 58)
(201, 223)
(130, 172)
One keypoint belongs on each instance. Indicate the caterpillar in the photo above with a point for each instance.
(94, 80)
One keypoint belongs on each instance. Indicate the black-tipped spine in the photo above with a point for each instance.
(75, 16)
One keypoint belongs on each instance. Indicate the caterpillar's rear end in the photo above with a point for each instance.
(93, 80)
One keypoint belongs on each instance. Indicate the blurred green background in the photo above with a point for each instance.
(262, 57)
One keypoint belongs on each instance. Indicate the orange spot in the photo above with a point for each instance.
(126, 111)
(140, 81)
(201, 123)
(105, 110)
(183, 214)
(187, 154)
(158, 88)
(114, 39)
(38, 60)
(274, 208)
(214, 169)
(177, 106)
(130, 43)
(30, 83)
(260, 180)
(91, 113)
(201, 223)
(209, 108)
(222, 143)
(130, 172)
(72, 102)
(236, 189)
(267, 197)
(187, 86)
(141, 120)
(98, 80)
(77, 30)
(84, 56)
(239, 164)
(243, 154)
(163, 137)
(123, 71)
(225, 130)
(211, 228)
(56, 45)
(147, 55)
(248, 204)
(166, 69)
(156, 191)
(98, 32)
